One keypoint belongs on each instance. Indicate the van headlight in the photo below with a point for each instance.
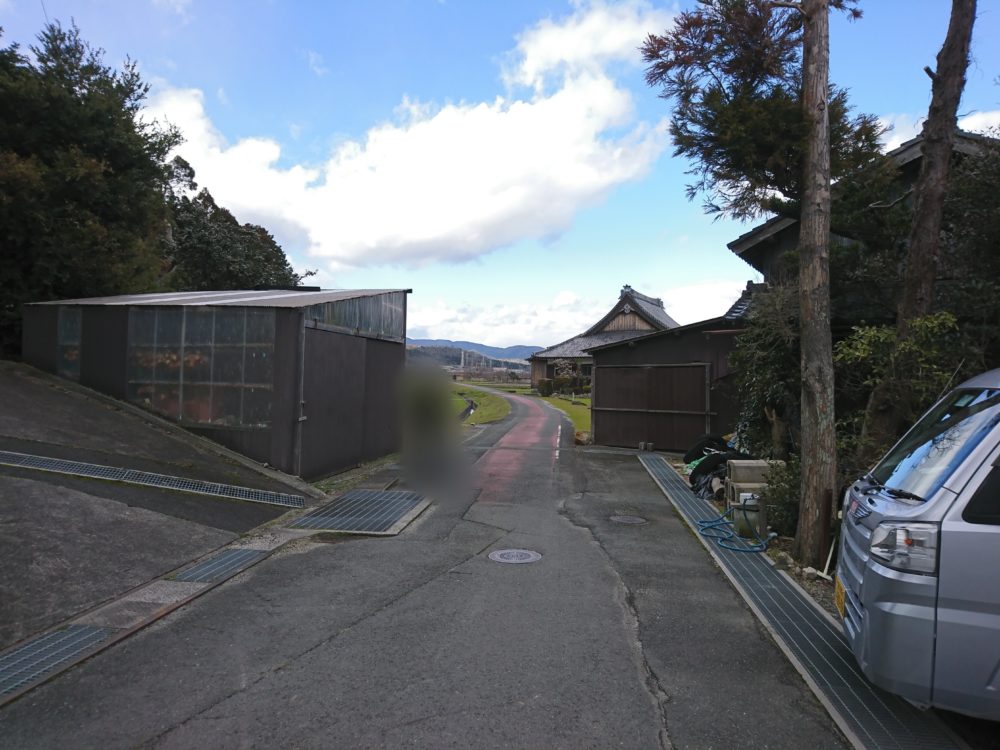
(909, 547)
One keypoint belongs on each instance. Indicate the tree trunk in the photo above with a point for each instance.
(819, 470)
(883, 415)
(939, 136)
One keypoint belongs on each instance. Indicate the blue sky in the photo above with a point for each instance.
(504, 160)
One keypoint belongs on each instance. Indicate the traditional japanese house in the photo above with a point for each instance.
(632, 316)
(670, 387)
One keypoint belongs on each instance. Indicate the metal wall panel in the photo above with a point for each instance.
(103, 344)
(335, 372)
(284, 409)
(38, 336)
(384, 363)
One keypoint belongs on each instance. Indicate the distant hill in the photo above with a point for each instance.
(507, 352)
(441, 355)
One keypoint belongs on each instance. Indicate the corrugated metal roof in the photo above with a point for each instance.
(245, 298)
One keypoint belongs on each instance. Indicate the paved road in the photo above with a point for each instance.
(621, 636)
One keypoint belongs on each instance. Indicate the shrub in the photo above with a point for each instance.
(545, 387)
(781, 496)
(563, 385)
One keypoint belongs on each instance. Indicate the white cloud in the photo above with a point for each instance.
(316, 63)
(452, 182)
(980, 122)
(594, 35)
(180, 7)
(562, 317)
(905, 127)
(696, 302)
(220, 94)
(502, 325)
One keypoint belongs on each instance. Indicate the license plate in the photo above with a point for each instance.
(839, 596)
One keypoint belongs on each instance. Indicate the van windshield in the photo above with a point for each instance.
(921, 462)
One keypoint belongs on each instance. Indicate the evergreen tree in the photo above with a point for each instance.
(82, 178)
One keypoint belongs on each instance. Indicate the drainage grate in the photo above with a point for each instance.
(876, 718)
(629, 520)
(515, 556)
(220, 566)
(148, 479)
(41, 656)
(363, 512)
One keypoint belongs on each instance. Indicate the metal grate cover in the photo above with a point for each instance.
(43, 655)
(363, 512)
(220, 566)
(878, 719)
(148, 479)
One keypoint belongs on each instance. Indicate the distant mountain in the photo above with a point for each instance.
(507, 352)
(440, 355)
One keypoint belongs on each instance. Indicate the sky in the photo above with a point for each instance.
(505, 161)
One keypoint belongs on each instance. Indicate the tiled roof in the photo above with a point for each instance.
(578, 345)
(740, 309)
(656, 312)
(964, 142)
(729, 321)
(649, 308)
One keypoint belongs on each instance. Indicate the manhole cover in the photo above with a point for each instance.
(633, 520)
(515, 556)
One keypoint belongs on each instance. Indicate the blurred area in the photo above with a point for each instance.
(433, 463)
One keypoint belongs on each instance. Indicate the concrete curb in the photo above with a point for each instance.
(172, 428)
(839, 720)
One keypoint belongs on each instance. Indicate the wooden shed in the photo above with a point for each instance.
(305, 381)
(668, 388)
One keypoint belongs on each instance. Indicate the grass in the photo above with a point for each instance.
(489, 407)
(578, 413)
(519, 388)
(458, 403)
(352, 477)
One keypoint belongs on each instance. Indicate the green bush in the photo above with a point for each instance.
(781, 496)
(545, 387)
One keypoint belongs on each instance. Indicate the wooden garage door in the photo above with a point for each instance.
(667, 405)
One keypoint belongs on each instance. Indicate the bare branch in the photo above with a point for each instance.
(790, 4)
(930, 73)
(890, 204)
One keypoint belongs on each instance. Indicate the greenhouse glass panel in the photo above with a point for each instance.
(380, 315)
(68, 346)
(194, 364)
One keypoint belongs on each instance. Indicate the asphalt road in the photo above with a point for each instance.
(620, 636)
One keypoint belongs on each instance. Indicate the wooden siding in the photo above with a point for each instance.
(627, 322)
(667, 405)
(537, 371)
(667, 389)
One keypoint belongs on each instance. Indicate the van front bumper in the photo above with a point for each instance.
(889, 624)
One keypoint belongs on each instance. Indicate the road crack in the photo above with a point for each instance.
(625, 598)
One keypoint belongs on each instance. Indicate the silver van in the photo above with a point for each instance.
(918, 573)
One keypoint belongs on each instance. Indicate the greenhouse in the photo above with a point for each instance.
(302, 380)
